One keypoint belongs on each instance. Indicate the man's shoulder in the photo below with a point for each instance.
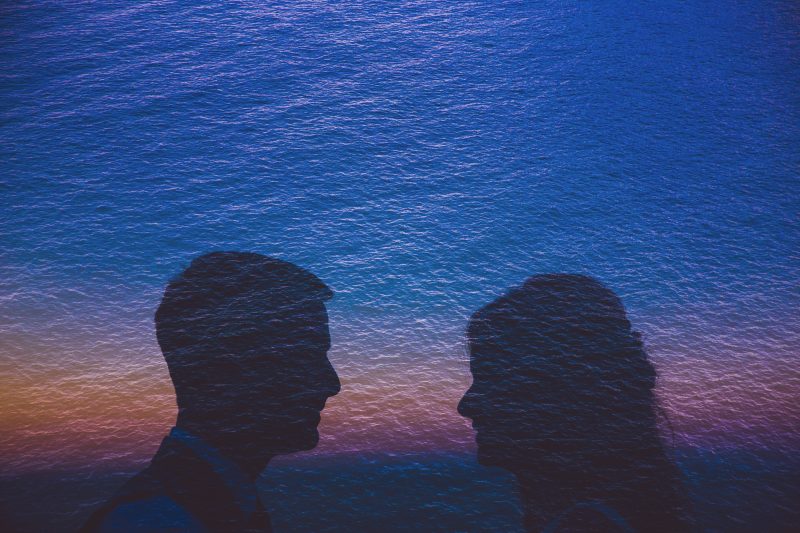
(589, 517)
(142, 504)
(156, 513)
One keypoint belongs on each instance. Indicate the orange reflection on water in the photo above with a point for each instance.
(114, 414)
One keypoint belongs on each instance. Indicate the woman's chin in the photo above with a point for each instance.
(489, 455)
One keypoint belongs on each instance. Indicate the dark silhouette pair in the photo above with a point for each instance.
(562, 397)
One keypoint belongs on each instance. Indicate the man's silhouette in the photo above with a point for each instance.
(245, 338)
(562, 397)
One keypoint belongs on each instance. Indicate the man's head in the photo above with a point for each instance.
(245, 338)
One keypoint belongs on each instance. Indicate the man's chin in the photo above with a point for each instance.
(310, 442)
(297, 441)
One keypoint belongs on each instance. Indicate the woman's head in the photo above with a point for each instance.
(563, 397)
(556, 369)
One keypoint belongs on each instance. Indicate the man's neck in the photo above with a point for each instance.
(249, 460)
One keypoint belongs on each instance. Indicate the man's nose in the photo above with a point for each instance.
(332, 383)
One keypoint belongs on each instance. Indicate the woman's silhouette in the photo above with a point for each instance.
(562, 397)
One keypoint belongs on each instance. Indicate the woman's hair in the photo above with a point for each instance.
(566, 340)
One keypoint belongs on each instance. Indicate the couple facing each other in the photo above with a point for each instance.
(562, 397)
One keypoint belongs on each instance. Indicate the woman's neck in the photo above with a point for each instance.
(544, 499)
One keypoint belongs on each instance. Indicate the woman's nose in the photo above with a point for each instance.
(466, 407)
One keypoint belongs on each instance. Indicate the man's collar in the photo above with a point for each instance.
(239, 484)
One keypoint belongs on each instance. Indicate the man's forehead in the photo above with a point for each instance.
(284, 329)
(261, 308)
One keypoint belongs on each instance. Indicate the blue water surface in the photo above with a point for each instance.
(420, 157)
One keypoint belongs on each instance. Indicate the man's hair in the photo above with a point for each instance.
(220, 286)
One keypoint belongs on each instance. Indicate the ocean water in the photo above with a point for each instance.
(421, 158)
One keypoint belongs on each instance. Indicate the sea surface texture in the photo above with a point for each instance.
(421, 158)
